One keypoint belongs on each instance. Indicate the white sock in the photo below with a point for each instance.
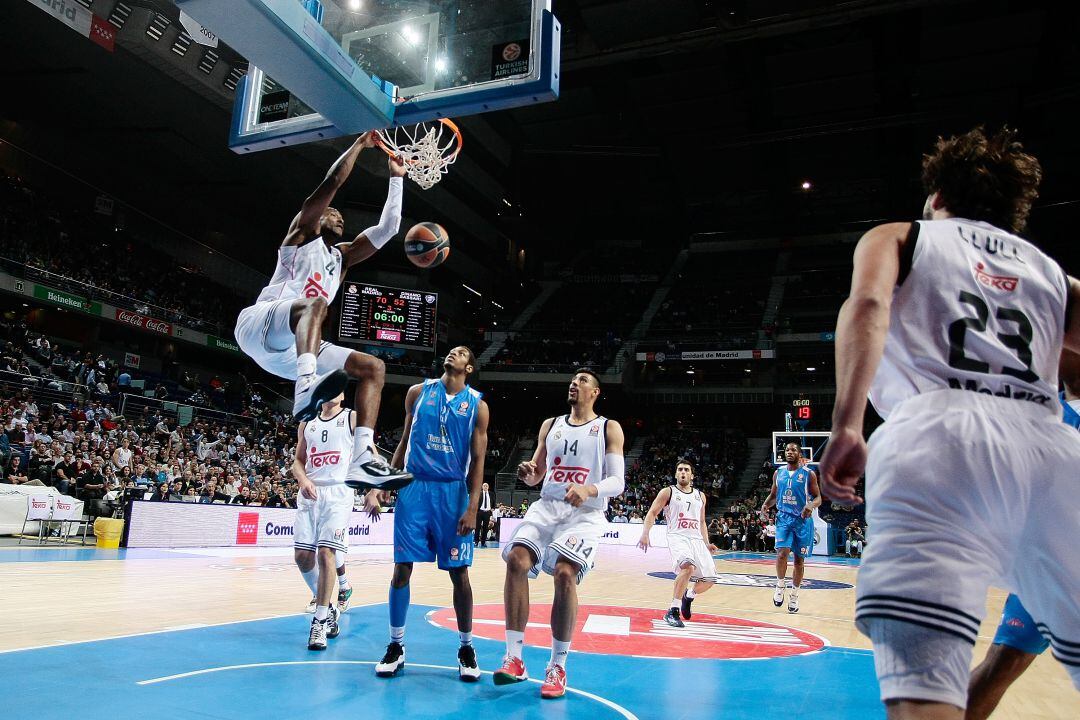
(397, 634)
(321, 611)
(465, 637)
(794, 589)
(779, 582)
(559, 651)
(305, 364)
(311, 577)
(343, 583)
(515, 642)
(690, 594)
(676, 603)
(363, 440)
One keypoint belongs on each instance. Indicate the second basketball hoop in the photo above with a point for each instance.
(428, 149)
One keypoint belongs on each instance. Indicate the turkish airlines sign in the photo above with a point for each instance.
(141, 321)
(81, 20)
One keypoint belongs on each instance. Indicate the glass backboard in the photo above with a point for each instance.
(322, 68)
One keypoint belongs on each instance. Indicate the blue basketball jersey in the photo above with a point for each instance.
(1070, 416)
(792, 489)
(441, 434)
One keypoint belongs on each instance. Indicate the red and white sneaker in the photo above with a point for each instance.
(554, 682)
(512, 671)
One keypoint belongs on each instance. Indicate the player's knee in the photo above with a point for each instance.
(519, 561)
(305, 559)
(402, 575)
(565, 574)
(316, 306)
(783, 552)
(799, 560)
(366, 368)
(327, 557)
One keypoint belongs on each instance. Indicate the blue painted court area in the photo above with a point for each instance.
(262, 669)
(816, 560)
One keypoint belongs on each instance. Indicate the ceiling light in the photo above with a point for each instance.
(811, 369)
(440, 65)
(354, 5)
(689, 372)
(411, 36)
(806, 185)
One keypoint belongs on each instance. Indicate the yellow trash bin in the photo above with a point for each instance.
(108, 532)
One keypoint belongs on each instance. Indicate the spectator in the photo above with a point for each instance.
(14, 474)
(161, 493)
(243, 497)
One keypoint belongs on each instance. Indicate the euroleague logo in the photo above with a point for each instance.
(569, 474)
(642, 632)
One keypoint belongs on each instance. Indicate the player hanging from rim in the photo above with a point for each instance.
(323, 509)
(282, 331)
(688, 540)
(954, 327)
(443, 445)
(793, 486)
(580, 459)
(1018, 642)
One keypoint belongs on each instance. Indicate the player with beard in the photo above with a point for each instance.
(579, 457)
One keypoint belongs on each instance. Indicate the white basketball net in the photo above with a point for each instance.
(423, 149)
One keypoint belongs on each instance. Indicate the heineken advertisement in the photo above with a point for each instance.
(105, 311)
(67, 300)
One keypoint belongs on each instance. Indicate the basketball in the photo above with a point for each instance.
(427, 245)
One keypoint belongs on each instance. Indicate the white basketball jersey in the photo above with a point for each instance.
(683, 512)
(329, 448)
(575, 455)
(309, 270)
(981, 310)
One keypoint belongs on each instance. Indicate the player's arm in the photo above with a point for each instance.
(815, 491)
(662, 498)
(477, 450)
(701, 524)
(1072, 316)
(861, 328)
(532, 471)
(307, 488)
(770, 499)
(410, 403)
(306, 223)
(614, 480)
(371, 240)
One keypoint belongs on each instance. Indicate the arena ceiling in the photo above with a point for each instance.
(676, 117)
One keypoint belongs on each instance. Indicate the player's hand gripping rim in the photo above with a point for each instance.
(843, 465)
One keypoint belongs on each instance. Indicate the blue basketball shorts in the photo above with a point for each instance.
(796, 533)
(1017, 629)
(425, 524)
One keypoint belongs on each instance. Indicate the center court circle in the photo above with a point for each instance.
(630, 631)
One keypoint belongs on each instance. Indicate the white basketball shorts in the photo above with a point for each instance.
(554, 529)
(324, 522)
(685, 549)
(963, 491)
(263, 333)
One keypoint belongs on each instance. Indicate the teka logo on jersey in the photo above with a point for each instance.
(247, 528)
(569, 474)
(314, 288)
(995, 282)
(686, 524)
(322, 459)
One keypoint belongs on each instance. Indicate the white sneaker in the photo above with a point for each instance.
(332, 628)
(793, 602)
(313, 390)
(369, 470)
(311, 606)
(778, 596)
(317, 637)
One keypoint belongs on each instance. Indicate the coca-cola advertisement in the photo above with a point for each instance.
(141, 321)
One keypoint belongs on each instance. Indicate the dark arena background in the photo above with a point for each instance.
(668, 194)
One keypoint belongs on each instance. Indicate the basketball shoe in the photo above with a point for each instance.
(554, 682)
(468, 670)
(317, 636)
(332, 628)
(671, 617)
(778, 594)
(313, 390)
(393, 661)
(344, 598)
(512, 671)
(793, 601)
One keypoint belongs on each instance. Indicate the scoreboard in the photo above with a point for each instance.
(388, 317)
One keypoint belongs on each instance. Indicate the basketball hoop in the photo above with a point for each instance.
(427, 149)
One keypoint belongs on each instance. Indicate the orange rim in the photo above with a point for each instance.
(446, 122)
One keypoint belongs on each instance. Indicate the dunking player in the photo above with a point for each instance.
(1018, 642)
(443, 446)
(955, 326)
(282, 331)
(795, 493)
(688, 540)
(324, 505)
(580, 459)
